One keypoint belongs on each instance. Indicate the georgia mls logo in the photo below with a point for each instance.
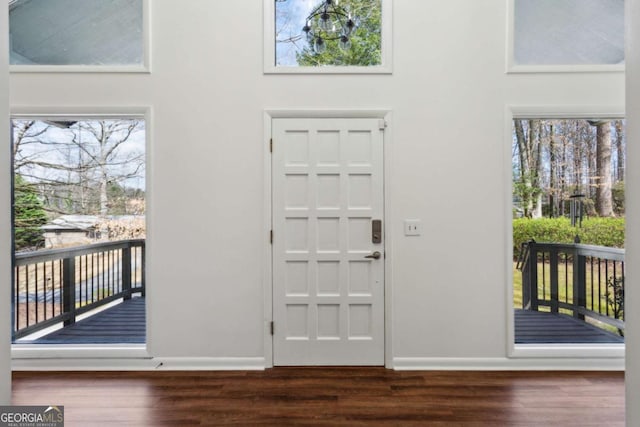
(31, 416)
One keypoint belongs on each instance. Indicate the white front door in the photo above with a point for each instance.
(328, 289)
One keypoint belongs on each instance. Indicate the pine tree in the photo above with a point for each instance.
(29, 215)
(366, 39)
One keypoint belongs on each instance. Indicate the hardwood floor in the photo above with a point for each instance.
(328, 397)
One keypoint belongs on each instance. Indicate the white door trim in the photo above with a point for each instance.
(269, 115)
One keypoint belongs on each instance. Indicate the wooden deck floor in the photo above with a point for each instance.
(534, 327)
(124, 323)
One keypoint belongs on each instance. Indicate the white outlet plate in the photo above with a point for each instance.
(412, 227)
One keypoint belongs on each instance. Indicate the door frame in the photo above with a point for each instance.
(267, 255)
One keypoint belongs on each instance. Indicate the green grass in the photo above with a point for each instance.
(565, 286)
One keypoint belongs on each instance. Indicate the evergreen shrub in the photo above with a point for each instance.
(594, 231)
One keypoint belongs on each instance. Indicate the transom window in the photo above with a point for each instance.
(76, 32)
(316, 36)
(567, 32)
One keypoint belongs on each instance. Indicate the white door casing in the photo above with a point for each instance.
(327, 186)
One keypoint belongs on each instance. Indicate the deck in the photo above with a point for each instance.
(583, 282)
(536, 327)
(124, 323)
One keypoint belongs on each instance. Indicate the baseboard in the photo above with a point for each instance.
(106, 363)
(210, 363)
(79, 351)
(82, 364)
(138, 364)
(507, 364)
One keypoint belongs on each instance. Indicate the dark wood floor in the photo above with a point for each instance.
(328, 397)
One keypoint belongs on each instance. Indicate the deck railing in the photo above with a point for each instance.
(55, 286)
(583, 281)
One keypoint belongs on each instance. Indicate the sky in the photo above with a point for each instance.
(290, 18)
(134, 145)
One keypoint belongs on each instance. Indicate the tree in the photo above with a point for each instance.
(620, 157)
(104, 156)
(125, 201)
(554, 197)
(555, 159)
(29, 215)
(602, 180)
(75, 163)
(366, 39)
(529, 152)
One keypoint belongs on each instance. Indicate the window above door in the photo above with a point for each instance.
(327, 36)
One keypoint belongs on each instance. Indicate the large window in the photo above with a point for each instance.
(566, 35)
(94, 33)
(78, 230)
(568, 230)
(308, 36)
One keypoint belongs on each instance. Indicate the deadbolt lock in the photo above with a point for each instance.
(376, 231)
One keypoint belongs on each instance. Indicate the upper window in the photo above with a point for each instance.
(569, 34)
(315, 36)
(94, 33)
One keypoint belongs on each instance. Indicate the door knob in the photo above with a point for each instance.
(375, 255)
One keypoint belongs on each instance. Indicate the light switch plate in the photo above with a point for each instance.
(412, 227)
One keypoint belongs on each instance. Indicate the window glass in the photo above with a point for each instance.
(76, 32)
(78, 200)
(312, 33)
(568, 32)
(568, 230)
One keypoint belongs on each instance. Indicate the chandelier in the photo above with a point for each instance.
(327, 22)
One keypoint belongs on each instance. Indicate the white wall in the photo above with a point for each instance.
(448, 94)
(5, 218)
(632, 376)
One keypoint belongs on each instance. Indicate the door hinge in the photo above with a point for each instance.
(382, 124)
(271, 145)
(271, 236)
(272, 328)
